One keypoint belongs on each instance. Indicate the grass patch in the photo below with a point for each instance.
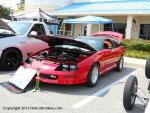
(137, 54)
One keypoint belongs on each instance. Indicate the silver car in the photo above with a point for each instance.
(16, 42)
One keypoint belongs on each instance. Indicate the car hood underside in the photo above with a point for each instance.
(57, 40)
(5, 26)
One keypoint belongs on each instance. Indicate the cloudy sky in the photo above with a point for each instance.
(9, 3)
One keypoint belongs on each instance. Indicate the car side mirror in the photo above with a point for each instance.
(33, 33)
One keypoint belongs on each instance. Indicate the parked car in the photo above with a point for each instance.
(16, 42)
(76, 61)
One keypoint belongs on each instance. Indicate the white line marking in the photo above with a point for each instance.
(100, 92)
(147, 108)
(8, 74)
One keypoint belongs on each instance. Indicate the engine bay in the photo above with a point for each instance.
(62, 55)
(65, 57)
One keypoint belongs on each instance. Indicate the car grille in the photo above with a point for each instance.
(49, 76)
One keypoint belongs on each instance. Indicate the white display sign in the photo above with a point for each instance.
(22, 77)
(147, 107)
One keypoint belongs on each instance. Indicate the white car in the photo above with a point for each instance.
(16, 44)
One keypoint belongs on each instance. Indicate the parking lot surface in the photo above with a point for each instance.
(106, 97)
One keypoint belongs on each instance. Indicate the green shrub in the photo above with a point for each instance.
(137, 48)
(140, 45)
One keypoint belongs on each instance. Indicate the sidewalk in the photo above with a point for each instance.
(134, 61)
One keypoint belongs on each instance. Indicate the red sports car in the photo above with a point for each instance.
(79, 60)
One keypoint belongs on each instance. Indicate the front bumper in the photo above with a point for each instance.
(64, 78)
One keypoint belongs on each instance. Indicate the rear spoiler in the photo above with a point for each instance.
(114, 35)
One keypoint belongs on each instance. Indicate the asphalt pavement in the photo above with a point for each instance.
(106, 97)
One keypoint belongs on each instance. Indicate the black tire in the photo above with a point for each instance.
(90, 82)
(10, 59)
(120, 64)
(147, 68)
(129, 94)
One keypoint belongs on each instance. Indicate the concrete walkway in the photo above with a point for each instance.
(134, 61)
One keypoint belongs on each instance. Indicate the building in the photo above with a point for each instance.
(130, 17)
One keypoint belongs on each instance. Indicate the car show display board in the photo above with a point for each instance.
(22, 77)
(147, 110)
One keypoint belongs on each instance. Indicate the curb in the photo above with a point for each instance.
(134, 61)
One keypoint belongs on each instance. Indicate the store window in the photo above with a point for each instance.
(118, 27)
(145, 31)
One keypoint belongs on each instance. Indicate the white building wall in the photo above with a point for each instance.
(46, 5)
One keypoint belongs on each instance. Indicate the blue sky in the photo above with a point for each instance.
(9, 3)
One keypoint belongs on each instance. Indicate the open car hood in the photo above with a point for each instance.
(57, 40)
(114, 35)
(5, 26)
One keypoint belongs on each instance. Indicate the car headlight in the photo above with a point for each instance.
(65, 66)
(73, 67)
(69, 67)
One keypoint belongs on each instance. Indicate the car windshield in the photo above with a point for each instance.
(72, 47)
(5, 33)
(94, 42)
(20, 27)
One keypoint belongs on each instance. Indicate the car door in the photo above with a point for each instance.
(105, 56)
(109, 55)
(34, 45)
(114, 53)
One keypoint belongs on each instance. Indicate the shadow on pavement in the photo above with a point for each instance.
(104, 81)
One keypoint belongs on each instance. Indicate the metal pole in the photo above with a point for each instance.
(112, 27)
(60, 28)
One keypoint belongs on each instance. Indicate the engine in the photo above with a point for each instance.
(63, 55)
(67, 58)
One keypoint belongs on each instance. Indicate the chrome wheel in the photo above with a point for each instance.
(95, 74)
(121, 63)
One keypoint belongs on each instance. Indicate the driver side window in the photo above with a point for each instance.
(108, 44)
(39, 28)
